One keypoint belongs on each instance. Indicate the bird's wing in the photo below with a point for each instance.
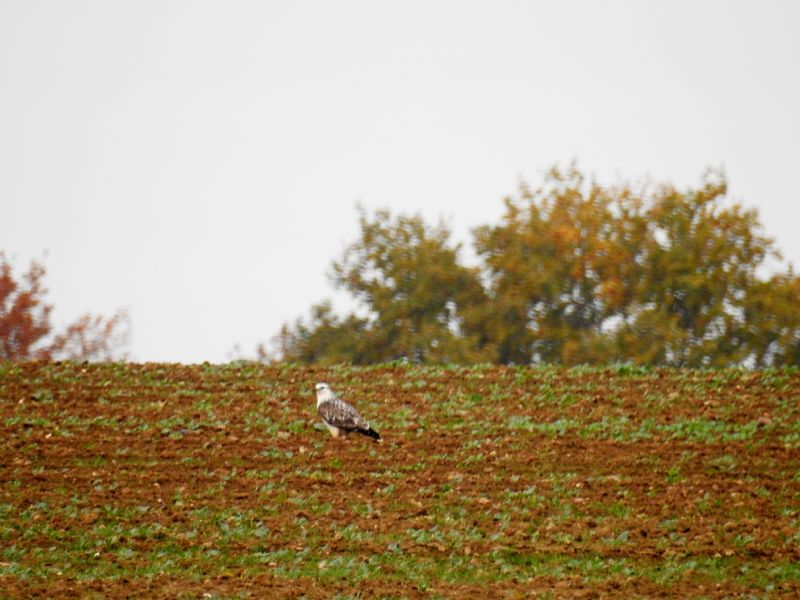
(340, 414)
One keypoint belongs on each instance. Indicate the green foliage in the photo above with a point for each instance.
(417, 297)
(574, 273)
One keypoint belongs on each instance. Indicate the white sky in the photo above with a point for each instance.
(199, 162)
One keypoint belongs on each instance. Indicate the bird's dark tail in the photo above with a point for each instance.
(371, 433)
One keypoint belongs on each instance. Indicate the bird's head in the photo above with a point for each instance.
(323, 392)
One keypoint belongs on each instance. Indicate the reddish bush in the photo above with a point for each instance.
(27, 334)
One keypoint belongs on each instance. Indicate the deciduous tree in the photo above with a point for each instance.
(561, 267)
(415, 295)
(26, 332)
(575, 272)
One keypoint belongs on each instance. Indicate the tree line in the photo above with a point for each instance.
(575, 272)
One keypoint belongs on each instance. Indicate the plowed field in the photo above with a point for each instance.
(126, 480)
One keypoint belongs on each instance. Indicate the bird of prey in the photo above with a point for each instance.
(340, 417)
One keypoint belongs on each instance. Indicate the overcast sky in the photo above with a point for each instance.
(198, 163)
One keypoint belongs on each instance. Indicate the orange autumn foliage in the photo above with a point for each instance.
(26, 332)
(574, 273)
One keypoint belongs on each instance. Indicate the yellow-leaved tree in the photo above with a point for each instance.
(574, 273)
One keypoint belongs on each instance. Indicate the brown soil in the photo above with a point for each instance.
(675, 499)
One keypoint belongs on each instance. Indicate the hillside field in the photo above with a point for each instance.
(205, 481)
